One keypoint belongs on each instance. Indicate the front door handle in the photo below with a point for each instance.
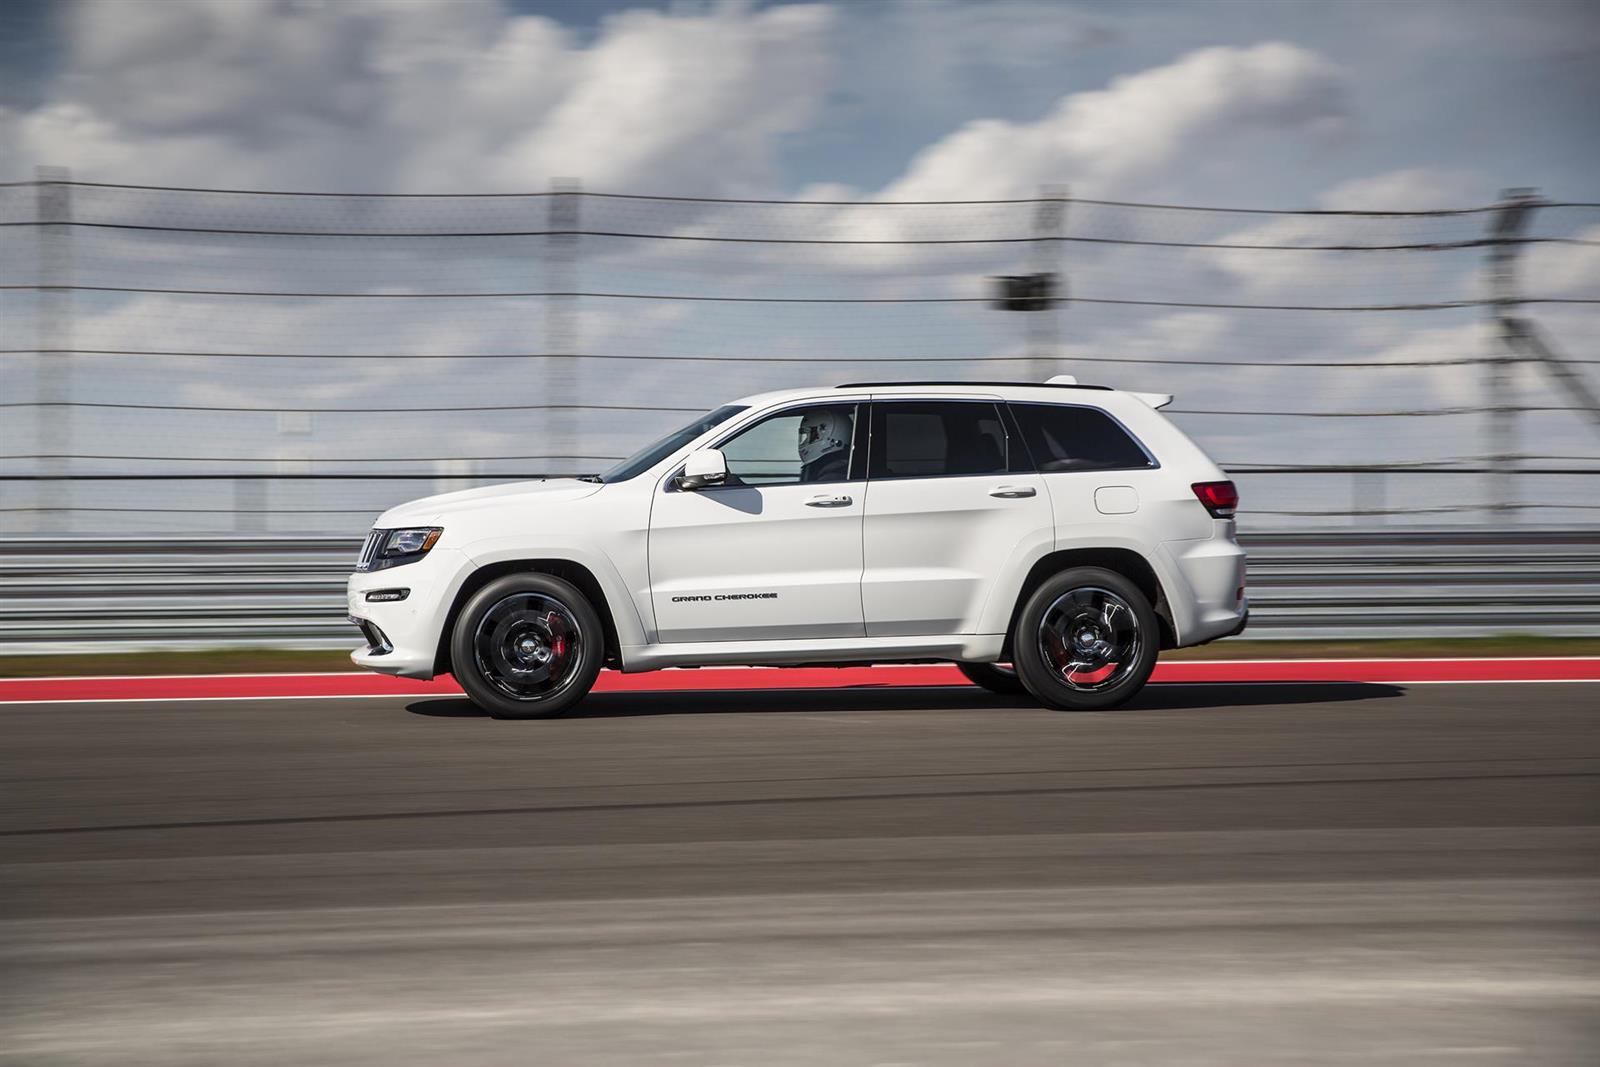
(826, 501)
(1011, 491)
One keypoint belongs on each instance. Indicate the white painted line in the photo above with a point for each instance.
(799, 689)
(229, 700)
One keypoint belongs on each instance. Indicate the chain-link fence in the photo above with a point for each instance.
(205, 361)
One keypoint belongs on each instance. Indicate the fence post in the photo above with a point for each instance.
(1369, 498)
(1044, 329)
(561, 385)
(250, 504)
(53, 338)
(1500, 383)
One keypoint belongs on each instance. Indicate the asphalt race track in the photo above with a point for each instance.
(1254, 874)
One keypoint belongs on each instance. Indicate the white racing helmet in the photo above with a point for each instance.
(823, 431)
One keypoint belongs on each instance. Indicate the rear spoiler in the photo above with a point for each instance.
(1155, 400)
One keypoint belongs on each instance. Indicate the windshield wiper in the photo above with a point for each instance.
(591, 478)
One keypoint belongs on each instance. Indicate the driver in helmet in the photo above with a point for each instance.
(825, 445)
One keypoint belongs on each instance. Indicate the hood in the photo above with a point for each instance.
(430, 509)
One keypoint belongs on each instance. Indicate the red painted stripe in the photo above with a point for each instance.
(1386, 670)
(191, 687)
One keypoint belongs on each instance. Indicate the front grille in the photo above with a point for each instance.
(369, 550)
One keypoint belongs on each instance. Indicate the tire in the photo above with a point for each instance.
(1086, 640)
(527, 646)
(995, 677)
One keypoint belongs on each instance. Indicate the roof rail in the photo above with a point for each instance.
(1028, 385)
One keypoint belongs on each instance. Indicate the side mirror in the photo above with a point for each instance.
(704, 467)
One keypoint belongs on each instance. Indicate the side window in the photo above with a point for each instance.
(936, 439)
(1064, 438)
(794, 447)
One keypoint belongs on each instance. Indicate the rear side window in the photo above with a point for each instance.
(1065, 438)
(937, 439)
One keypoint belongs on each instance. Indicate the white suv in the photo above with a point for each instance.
(1068, 530)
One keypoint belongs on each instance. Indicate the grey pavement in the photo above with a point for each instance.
(1214, 875)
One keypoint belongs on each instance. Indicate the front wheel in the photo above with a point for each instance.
(1086, 639)
(527, 646)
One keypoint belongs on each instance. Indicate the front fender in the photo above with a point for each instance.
(624, 609)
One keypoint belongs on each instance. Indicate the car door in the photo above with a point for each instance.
(774, 554)
(950, 502)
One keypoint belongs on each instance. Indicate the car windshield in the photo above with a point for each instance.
(656, 451)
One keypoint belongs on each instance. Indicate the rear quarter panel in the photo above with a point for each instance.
(1168, 526)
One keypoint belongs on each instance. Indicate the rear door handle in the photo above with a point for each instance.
(1010, 491)
(826, 501)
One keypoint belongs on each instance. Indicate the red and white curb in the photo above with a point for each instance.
(352, 684)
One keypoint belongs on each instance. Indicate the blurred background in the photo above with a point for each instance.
(227, 361)
(267, 269)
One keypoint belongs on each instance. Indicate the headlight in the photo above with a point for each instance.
(411, 542)
(391, 548)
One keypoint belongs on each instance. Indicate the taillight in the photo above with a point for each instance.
(1220, 498)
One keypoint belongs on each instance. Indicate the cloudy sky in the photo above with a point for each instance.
(1350, 105)
(896, 98)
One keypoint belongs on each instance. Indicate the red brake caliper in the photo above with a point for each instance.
(557, 626)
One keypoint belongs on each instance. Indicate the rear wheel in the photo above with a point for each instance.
(527, 646)
(1086, 639)
(996, 677)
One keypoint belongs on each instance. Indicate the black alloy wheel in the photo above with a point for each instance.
(1086, 639)
(527, 646)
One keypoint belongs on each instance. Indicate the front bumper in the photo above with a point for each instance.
(402, 636)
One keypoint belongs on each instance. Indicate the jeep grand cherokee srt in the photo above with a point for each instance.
(1049, 538)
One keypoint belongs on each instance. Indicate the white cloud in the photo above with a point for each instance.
(1565, 270)
(912, 58)
(1411, 189)
(1137, 132)
(1363, 277)
(423, 96)
(661, 98)
(1134, 128)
